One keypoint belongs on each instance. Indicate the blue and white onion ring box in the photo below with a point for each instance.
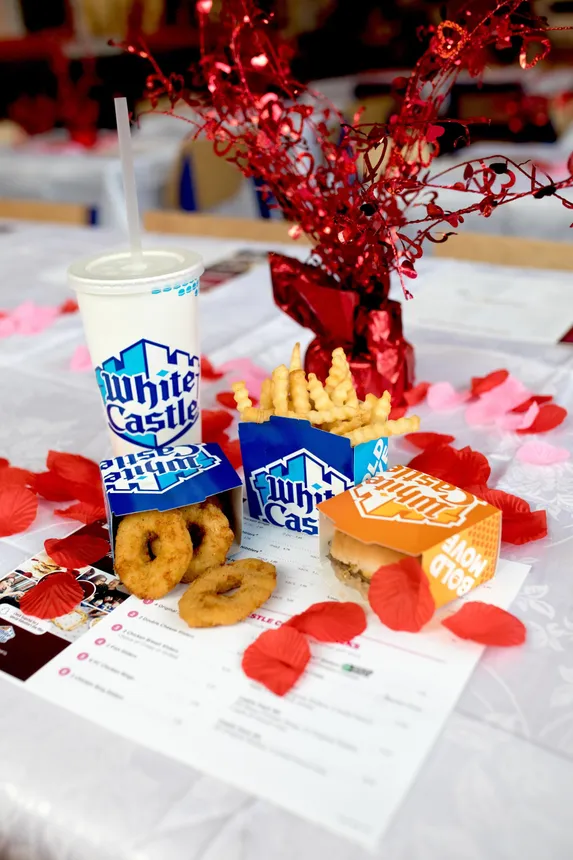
(164, 479)
(291, 466)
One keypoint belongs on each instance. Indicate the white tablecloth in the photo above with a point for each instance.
(499, 782)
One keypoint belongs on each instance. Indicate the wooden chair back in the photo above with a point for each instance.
(507, 251)
(213, 179)
(44, 210)
(192, 224)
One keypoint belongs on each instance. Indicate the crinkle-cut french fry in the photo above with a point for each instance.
(340, 394)
(381, 410)
(339, 370)
(267, 394)
(367, 433)
(339, 358)
(280, 389)
(242, 398)
(329, 416)
(299, 392)
(256, 416)
(317, 393)
(343, 427)
(365, 408)
(408, 424)
(352, 396)
(295, 362)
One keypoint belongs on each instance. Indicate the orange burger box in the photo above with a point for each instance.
(455, 535)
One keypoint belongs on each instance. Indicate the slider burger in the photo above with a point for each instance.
(355, 563)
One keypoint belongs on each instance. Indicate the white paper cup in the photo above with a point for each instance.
(142, 327)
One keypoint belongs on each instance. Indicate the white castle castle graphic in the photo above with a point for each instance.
(150, 393)
(289, 489)
(156, 471)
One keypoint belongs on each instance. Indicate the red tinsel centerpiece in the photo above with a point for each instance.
(361, 192)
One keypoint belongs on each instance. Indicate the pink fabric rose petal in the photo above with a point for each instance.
(81, 361)
(32, 319)
(247, 370)
(442, 397)
(542, 454)
(497, 402)
(510, 393)
(518, 420)
(7, 326)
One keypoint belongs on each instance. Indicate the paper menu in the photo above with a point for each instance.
(502, 302)
(341, 749)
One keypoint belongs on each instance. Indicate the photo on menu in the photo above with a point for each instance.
(27, 643)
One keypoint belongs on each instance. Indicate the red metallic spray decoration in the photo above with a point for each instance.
(361, 192)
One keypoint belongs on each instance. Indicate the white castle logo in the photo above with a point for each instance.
(289, 490)
(150, 393)
(418, 498)
(156, 471)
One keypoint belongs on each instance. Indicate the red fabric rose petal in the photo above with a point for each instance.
(400, 595)
(17, 477)
(53, 487)
(417, 394)
(70, 306)
(427, 440)
(458, 467)
(83, 512)
(549, 416)
(77, 550)
(226, 399)
(506, 502)
(481, 384)
(535, 398)
(277, 659)
(208, 372)
(438, 460)
(18, 509)
(519, 524)
(213, 423)
(89, 493)
(232, 451)
(73, 467)
(330, 622)
(397, 412)
(55, 595)
(486, 624)
(4, 462)
(524, 529)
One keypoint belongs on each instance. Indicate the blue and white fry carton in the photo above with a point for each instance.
(291, 466)
(167, 478)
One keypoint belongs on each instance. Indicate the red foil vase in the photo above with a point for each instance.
(367, 324)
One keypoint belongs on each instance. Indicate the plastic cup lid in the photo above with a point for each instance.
(117, 272)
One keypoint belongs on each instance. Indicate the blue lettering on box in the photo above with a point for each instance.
(150, 393)
(370, 459)
(290, 467)
(290, 489)
(166, 478)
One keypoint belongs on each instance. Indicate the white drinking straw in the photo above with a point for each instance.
(129, 189)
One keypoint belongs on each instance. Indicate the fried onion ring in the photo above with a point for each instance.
(211, 537)
(146, 573)
(207, 604)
